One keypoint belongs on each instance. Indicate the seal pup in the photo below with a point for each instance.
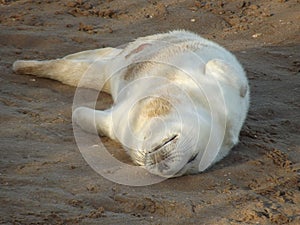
(179, 100)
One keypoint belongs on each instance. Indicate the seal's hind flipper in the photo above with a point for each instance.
(66, 71)
(97, 54)
(72, 68)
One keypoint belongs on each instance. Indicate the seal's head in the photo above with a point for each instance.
(168, 137)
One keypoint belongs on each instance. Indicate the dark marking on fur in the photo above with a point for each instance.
(138, 49)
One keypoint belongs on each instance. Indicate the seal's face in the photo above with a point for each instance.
(161, 135)
(168, 153)
(163, 158)
(167, 146)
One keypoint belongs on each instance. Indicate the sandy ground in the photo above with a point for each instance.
(45, 180)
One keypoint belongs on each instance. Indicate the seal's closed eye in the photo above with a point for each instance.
(193, 158)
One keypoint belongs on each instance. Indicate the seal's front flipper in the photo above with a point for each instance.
(94, 121)
(228, 74)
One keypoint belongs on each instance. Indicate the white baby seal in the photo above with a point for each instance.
(179, 100)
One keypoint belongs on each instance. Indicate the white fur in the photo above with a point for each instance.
(180, 100)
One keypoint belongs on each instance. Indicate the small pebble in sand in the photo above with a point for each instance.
(256, 35)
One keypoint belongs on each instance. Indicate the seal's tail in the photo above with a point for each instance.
(72, 68)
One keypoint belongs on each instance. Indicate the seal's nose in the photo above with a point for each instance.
(162, 158)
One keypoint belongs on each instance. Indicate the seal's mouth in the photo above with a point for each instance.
(168, 141)
(162, 151)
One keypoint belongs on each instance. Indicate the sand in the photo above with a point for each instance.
(44, 178)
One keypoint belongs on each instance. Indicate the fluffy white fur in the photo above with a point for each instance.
(179, 100)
